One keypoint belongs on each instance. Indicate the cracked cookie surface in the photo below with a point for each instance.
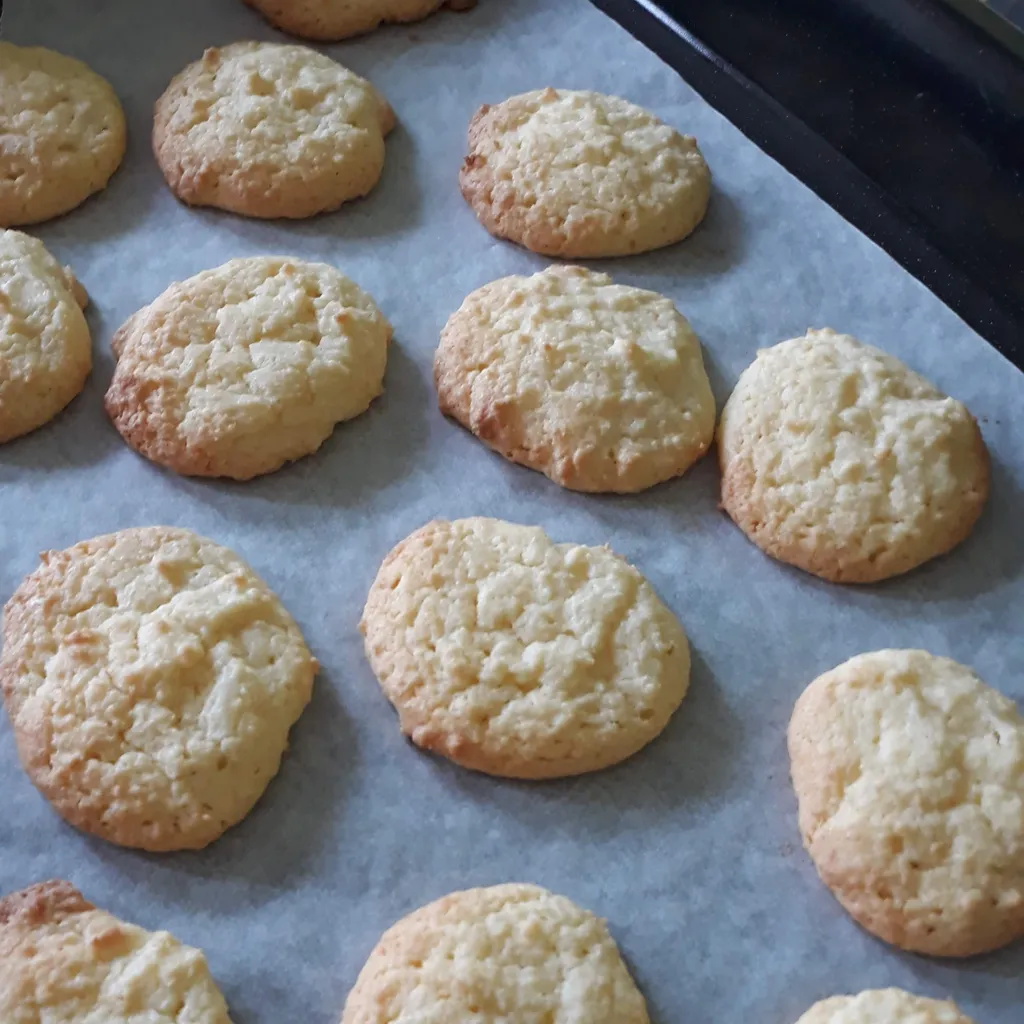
(582, 175)
(330, 20)
(243, 368)
(63, 134)
(909, 772)
(151, 679)
(599, 386)
(840, 460)
(63, 961)
(45, 347)
(516, 656)
(505, 953)
(270, 130)
(884, 1006)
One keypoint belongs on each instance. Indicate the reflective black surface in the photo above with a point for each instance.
(907, 116)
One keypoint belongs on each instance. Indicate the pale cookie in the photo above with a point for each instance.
(599, 386)
(62, 961)
(515, 656)
(151, 678)
(883, 1006)
(267, 130)
(63, 134)
(909, 772)
(493, 956)
(238, 370)
(838, 459)
(582, 175)
(45, 347)
(331, 20)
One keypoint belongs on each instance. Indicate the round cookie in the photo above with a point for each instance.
(151, 678)
(63, 131)
(505, 953)
(515, 656)
(331, 20)
(62, 961)
(582, 175)
(838, 459)
(45, 347)
(909, 773)
(599, 386)
(883, 1006)
(267, 130)
(243, 368)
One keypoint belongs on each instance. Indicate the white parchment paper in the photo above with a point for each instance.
(691, 848)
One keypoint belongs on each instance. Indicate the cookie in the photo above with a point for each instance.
(63, 134)
(599, 386)
(238, 370)
(266, 130)
(516, 656)
(838, 459)
(883, 1006)
(506, 953)
(582, 175)
(330, 20)
(151, 678)
(45, 347)
(909, 773)
(63, 961)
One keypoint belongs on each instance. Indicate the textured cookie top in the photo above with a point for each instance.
(339, 19)
(268, 130)
(241, 369)
(599, 386)
(62, 961)
(909, 773)
(883, 1006)
(516, 656)
(45, 348)
(507, 953)
(582, 175)
(839, 459)
(63, 134)
(151, 678)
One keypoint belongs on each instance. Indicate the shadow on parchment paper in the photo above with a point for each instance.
(692, 762)
(1003, 963)
(362, 456)
(291, 825)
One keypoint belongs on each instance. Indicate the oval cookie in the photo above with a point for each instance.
(330, 20)
(582, 175)
(238, 370)
(63, 134)
(151, 678)
(63, 961)
(45, 347)
(599, 386)
(909, 772)
(506, 953)
(268, 130)
(838, 459)
(884, 1006)
(515, 656)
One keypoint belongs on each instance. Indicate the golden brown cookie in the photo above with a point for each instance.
(599, 386)
(582, 175)
(45, 347)
(516, 656)
(909, 772)
(330, 20)
(63, 134)
(267, 130)
(62, 961)
(151, 679)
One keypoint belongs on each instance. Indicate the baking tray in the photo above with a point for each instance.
(690, 849)
(907, 116)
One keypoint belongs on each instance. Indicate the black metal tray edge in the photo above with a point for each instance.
(870, 205)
